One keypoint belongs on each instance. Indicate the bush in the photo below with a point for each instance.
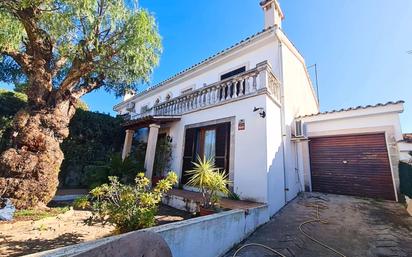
(210, 180)
(129, 207)
(93, 139)
(125, 170)
(405, 178)
(81, 202)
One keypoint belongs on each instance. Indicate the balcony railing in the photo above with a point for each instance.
(246, 84)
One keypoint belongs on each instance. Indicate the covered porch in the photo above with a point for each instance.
(154, 124)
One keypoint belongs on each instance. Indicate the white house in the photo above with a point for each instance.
(252, 106)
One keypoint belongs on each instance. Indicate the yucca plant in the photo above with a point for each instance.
(210, 180)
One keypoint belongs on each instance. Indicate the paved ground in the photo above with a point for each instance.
(356, 227)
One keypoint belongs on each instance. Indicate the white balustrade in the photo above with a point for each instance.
(239, 86)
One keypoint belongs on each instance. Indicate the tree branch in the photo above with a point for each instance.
(58, 65)
(21, 59)
(88, 85)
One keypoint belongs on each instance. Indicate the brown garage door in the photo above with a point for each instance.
(351, 165)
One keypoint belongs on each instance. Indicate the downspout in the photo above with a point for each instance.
(282, 117)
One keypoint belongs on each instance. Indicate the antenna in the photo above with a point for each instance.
(316, 79)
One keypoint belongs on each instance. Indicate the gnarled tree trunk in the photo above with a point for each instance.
(29, 170)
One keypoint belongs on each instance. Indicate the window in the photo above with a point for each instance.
(206, 142)
(233, 73)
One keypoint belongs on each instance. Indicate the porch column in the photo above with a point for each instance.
(127, 146)
(151, 150)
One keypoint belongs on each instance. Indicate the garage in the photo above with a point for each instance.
(355, 165)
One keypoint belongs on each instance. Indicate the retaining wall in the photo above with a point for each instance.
(208, 236)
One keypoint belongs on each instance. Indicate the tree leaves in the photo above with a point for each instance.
(104, 40)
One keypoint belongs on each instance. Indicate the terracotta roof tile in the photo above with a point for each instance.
(353, 108)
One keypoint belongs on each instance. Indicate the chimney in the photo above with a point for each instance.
(273, 13)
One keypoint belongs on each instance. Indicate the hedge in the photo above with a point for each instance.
(405, 177)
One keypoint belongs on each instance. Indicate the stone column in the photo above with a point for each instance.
(151, 150)
(127, 146)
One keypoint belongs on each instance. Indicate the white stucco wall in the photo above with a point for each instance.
(249, 164)
(299, 100)
(274, 155)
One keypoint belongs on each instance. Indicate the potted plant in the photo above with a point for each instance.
(212, 183)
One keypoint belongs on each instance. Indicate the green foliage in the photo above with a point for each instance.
(163, 157)
(210, 180)
(120, 40)
(34, 214)
(405, 178)
(129, 207)
(125, 170)
(81, 202)
(10, 103)
(93, 138)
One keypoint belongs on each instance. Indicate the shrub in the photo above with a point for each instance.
(129, 207)
(405, 178)
(81, 202)
(125, 170)
(210, 180)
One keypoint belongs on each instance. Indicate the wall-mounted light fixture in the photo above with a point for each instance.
(262, 112)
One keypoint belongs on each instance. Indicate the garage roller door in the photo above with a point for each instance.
(351, 165)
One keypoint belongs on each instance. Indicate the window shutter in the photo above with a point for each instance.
(189, 153)
(222, 146)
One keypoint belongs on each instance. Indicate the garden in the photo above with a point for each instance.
(100, 170)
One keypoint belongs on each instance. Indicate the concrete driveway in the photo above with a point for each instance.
(355, 227)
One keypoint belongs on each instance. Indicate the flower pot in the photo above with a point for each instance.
(205, 211)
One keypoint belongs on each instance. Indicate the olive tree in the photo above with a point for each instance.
(62, 50)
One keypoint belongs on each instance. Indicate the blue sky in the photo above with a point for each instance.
(360, 47)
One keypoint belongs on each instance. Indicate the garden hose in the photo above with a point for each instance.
(317, 219)
(260, 245)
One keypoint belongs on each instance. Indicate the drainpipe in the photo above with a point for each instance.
(282, 117)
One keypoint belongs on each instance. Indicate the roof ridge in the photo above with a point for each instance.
(160, 84)
(353, 108)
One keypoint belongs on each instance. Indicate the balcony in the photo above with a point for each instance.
(247, 84)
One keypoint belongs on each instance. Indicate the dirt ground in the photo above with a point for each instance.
(356, 227)
(25, 237)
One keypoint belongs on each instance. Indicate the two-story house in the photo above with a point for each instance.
(253, 108)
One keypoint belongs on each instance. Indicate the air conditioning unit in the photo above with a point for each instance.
(299, 129)
(130, 107)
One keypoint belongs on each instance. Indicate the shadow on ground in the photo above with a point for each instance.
(18, 248)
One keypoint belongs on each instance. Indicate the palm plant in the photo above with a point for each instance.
(210, 180)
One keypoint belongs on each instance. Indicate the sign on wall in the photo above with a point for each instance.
(241, 125)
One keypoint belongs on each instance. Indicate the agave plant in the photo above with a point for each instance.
(211, 181)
